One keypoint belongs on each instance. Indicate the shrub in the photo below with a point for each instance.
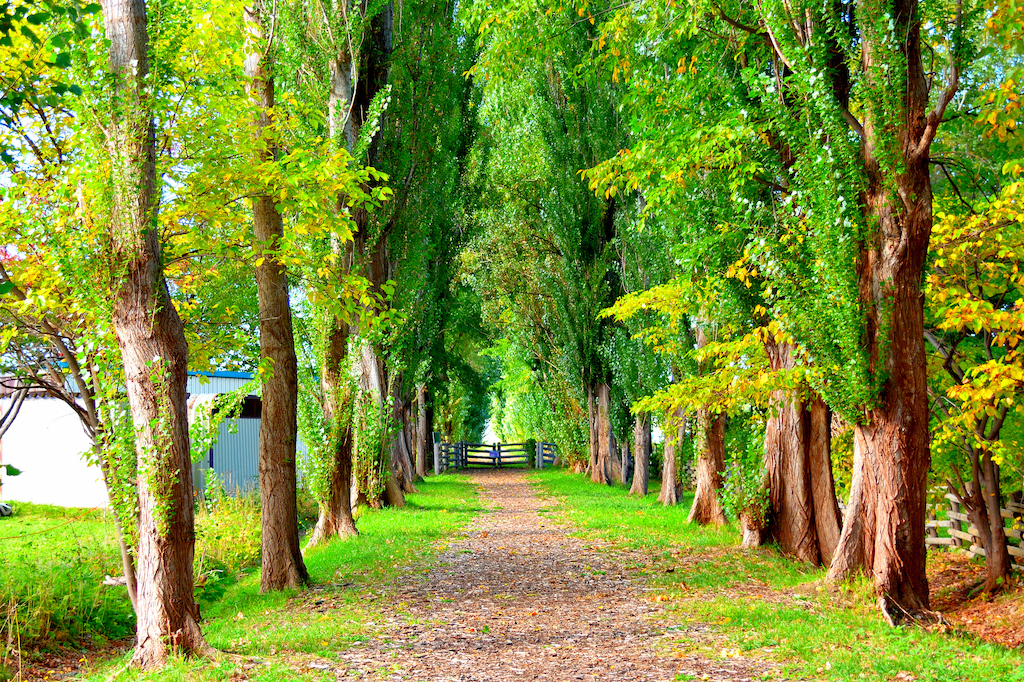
(228, 540)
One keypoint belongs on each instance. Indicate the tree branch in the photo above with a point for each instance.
(952, 84)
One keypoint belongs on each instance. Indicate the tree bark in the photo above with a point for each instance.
(151, 339)
(641, 455)
(335, 517)
(601, 470)
(592, 425)
(421, 432)
(884, 530)
(827, 517)
(281, 558)
(707, 508)
(981, 502)
(671, 488)
(803, 515)
(371, 382)
(626, 465)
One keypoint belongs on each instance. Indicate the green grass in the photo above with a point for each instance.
(52, 562)
(807, 631)
(352, 583)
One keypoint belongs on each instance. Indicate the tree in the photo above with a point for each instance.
(152, 342)
(975, 296)
(282, 565)
(843, 236)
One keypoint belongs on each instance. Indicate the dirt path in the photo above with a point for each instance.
(520, 599)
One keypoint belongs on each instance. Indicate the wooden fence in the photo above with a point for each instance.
(462, 455)
(957, 521)
(967, 540)
(546, 454)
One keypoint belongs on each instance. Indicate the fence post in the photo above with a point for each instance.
(437, 457)
(954, 506)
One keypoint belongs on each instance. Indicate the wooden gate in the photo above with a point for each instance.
(462, 455)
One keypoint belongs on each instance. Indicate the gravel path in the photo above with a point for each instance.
(521, 599)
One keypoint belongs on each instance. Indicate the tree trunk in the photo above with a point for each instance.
(592, 425)
(281, 558)
(827, 517)
(710, 441)
(803, 514)
(641, 455)
(601, 469)
(127, 562)
(371, 382)
(786, 439)
(626, 464)
(982, 505)
(752, 532)
(152, 343)
(707, 508)
(671, 488)
(335, 517)
(421, 432)
(401, 458)
(884, 529)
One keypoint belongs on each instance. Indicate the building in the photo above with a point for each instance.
(47, 443)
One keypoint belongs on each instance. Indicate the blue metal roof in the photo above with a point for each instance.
(219, 374)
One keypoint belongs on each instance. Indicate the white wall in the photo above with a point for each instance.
(46, 443)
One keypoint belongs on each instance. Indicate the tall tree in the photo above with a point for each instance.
(281, 557)
(152, 342)
(843, 239)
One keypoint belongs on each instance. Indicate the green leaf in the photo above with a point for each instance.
(12, 470)
(30, 34)
(63, 60)
(6, 287)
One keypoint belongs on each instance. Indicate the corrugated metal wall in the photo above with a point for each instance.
(236, 456)
(213, 384)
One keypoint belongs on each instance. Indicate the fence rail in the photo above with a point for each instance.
(462, 455)
(962, 534)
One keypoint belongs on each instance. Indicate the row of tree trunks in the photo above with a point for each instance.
(281, 557)
(803, 515)
(641, 455)
(151, 339)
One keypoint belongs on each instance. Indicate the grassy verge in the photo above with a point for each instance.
(52, 563)
(760, 605)
(269, 636)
